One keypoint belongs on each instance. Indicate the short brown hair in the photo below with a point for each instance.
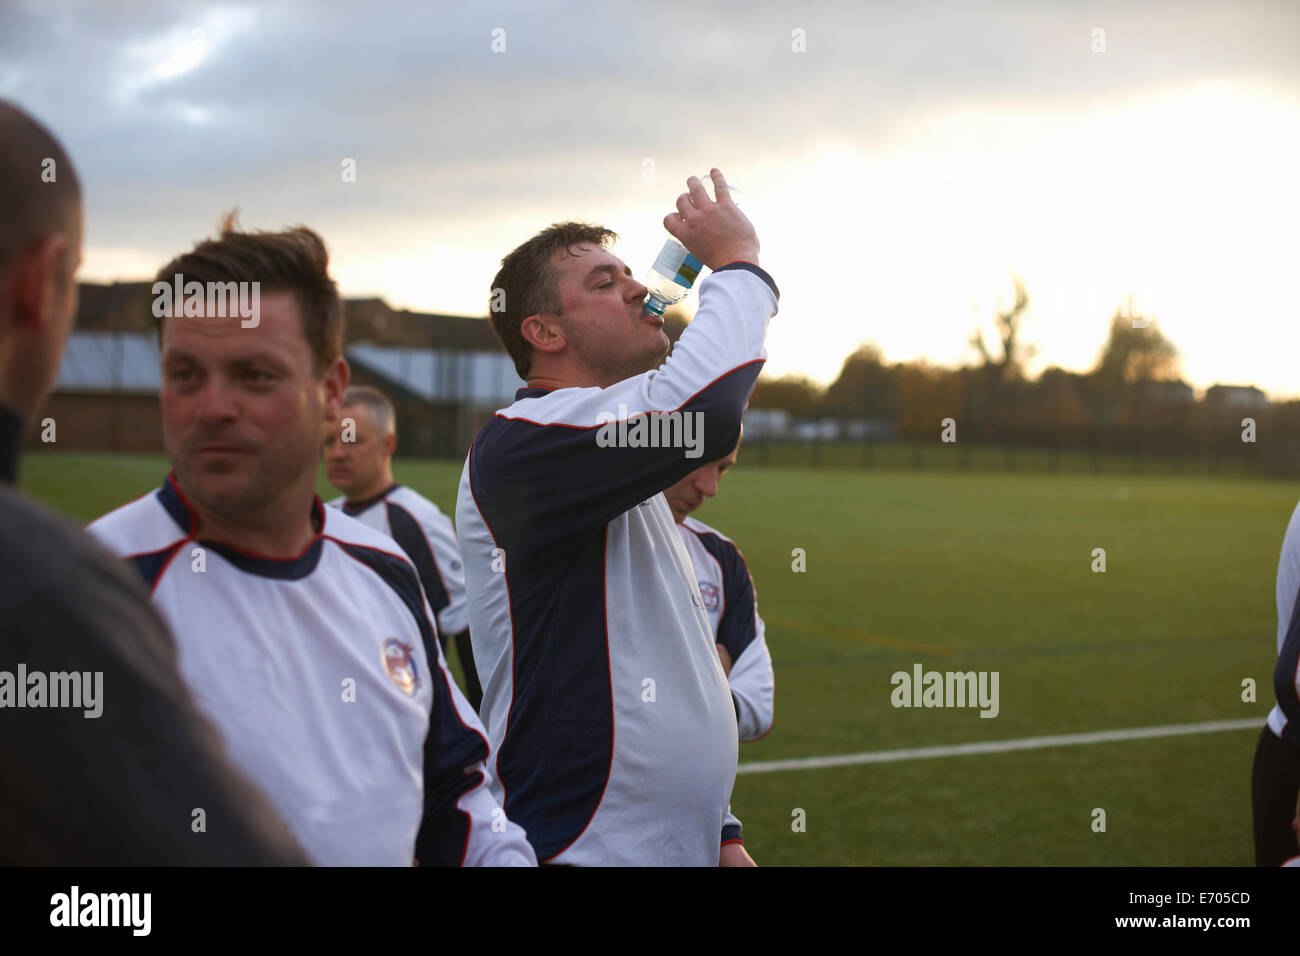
(525, 285)
(31, 207)
(294, 260)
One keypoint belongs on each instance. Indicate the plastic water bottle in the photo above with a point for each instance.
(671, 277)
(675, 270)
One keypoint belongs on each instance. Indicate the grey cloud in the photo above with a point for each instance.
(441, 125)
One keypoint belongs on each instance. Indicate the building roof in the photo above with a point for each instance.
(441, 375)
(109, 362)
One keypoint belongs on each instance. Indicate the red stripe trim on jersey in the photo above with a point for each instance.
(735, 840)
(176, 487)
(369, 547)
(141, 554)
(317, 512)
(615, 421)
(176, 549)
(609, 766)
(510, 611)
(262, 557)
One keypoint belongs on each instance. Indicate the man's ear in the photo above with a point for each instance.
(542, 335)
(337, 376)
(390, 443)
(36, 275)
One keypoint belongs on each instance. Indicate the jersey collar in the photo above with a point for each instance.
(176, 505)
(350, 508)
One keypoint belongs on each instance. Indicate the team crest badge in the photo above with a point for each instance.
(400, 665)
(710, 594)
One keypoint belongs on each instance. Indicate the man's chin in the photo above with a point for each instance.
(218, 487)
(664, 349)
(656, 359)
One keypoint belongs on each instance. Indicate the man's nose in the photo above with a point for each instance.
(707, 483)
(216, 402)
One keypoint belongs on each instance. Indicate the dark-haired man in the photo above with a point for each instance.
(608, 712)
(119, 777)
(304, 635)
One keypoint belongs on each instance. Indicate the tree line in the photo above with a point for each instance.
(1135, 386)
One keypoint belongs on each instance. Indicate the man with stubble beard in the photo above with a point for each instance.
(304, 635)
(607, 709)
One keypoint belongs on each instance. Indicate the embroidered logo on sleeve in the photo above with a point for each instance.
(400, 666)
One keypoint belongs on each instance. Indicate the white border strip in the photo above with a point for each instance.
(1001, 746)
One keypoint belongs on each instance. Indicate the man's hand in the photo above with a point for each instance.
(724, 656)
(716, 233)
(733, 854)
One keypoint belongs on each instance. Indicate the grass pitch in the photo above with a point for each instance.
(962, 571)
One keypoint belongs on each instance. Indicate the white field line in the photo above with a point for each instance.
(1001, 746)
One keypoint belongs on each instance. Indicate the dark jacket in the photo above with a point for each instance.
(145, 782)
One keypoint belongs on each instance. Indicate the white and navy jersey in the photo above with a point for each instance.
(1284, 719)
(732, 606)
(324, 676)
(612, 728)
(428, 538)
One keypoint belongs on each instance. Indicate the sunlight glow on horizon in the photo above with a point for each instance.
(1186, 199)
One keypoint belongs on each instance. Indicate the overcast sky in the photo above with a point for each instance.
(900, 162)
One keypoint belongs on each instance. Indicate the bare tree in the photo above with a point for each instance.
(1008, 362)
